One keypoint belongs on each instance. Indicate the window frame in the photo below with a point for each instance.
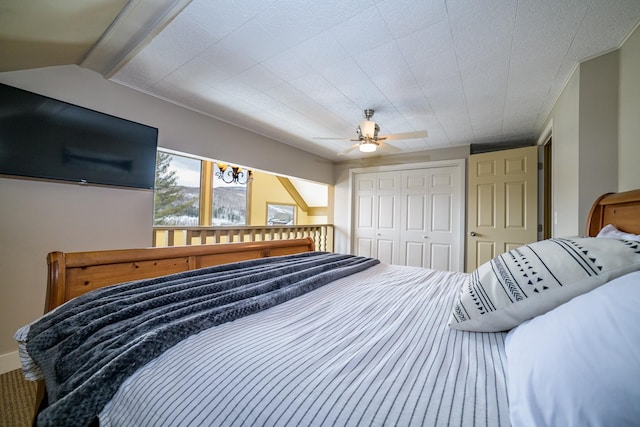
(207, 188)
(294, 211)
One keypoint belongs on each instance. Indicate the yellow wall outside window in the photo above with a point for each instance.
(266, 188)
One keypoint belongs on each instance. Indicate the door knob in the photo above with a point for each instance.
(473, 234)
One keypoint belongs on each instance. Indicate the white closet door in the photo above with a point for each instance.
(411, 216)
(415, 218)
(388, 217)
(377, 216)
(431, 208)
(365, 218)
(445, 208)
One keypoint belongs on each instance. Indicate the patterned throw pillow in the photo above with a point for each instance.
(535, 278)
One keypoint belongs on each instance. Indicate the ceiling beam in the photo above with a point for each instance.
(136, 25)
(295, 195)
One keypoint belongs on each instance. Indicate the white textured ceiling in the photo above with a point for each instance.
(468, 71)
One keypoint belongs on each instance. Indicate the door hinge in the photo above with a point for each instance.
(540, 166)
(539, 228)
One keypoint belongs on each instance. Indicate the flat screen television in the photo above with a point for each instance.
(45, 138)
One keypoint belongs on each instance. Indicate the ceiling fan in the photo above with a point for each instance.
(368, 139)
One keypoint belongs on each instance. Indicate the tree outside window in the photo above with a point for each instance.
(180, 189)
(177, 190)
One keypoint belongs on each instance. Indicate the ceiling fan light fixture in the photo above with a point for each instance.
(368, 146)
(368, 139)
(368, 129)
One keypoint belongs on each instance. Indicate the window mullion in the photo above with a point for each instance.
(206, 193)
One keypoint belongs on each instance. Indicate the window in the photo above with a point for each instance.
(177, 190)
(187, 193)
(280, 214)
(229, 201)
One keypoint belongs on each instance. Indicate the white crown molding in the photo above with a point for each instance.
(136, 25)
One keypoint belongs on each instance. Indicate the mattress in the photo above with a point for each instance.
(373, 348)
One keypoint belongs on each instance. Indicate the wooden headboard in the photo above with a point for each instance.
(620, 209)
(73, 274)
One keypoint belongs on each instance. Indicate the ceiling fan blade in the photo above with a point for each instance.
(332, 138)
(406, 135)
(348, 150)
(388, 148)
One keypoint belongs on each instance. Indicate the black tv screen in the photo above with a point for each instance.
(41, 137)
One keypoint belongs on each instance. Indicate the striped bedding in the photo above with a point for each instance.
(373, 348)
(88, 347)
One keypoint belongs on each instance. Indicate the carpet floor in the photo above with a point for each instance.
(17, 398)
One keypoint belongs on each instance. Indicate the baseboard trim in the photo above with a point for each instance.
(9, 362)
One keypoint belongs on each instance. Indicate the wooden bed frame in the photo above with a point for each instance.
(620, 209)
(73, 274)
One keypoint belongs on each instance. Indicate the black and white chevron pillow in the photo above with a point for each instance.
(535, 278)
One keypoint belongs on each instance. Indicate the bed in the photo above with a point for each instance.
(350, 342)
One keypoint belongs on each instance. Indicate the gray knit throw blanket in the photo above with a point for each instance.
(89, 346)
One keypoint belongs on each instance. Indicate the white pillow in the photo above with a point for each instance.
(579, 364)
(30, 369)
(535, 278)
(611, 232)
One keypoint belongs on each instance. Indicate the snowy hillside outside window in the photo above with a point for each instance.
(177, 190)
(183, 198)
(229, 202)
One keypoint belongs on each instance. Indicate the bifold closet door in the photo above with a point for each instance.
(377, 215)
(431, 210)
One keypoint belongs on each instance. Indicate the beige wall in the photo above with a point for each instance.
(598, 132)
(629, 131)
(564, 122)
(595, 127)
(39, 217)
